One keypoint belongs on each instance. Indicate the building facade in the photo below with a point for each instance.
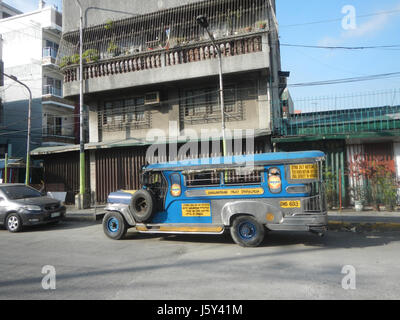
(7, 11)
(30, 43)
(150, 69)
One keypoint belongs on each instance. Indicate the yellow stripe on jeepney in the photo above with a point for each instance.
(235, 192)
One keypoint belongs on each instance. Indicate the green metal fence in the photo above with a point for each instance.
(348, 114)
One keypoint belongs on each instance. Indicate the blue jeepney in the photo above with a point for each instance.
(248, 195)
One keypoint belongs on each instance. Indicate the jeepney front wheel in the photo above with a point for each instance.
(247, 231)
(114, 226)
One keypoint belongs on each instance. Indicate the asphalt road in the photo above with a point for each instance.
(288, 265)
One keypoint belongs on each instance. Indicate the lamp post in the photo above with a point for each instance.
(28, 139)
(203, 22)
(82, 176)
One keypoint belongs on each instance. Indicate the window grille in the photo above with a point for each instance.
(119, 114)
(203, 106)
(238, 177)
(202, 179)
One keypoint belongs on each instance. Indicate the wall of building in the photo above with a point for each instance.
(23, 40)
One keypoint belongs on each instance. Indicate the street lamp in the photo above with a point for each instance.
(82, 188)
(203, 22)
(28, 139)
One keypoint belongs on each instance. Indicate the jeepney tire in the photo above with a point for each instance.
(114, 226)
(142, 206)
(246, 231)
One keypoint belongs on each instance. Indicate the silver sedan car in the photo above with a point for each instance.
(21, 206)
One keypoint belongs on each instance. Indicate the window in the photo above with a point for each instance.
(202, 105)
(240, 177)
(121, 113)
(54, 126)
(202, 179)
(52, 86)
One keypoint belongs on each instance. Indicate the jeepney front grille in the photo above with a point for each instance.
(313, 204)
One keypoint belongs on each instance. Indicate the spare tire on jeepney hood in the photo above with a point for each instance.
(142, 205)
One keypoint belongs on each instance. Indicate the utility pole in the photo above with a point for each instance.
(202, 21)
(82, 175)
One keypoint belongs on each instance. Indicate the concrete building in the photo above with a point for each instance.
(150, 66)
(29, 44)
(7, 11)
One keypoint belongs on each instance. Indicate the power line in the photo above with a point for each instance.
(339, 19)
(346, 80)
(340, 47)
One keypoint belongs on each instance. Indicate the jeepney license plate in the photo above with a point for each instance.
(55, 214)
(290, 204)
(304, 172)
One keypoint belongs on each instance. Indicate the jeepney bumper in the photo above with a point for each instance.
(302, 222)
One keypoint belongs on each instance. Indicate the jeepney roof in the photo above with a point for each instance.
(238, 161)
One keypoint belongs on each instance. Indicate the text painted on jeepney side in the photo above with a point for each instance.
(196, 210)
(235, 192)
(304, 172)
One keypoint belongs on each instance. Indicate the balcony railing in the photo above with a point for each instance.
(51, 90)
(164, 58)
(49, 52)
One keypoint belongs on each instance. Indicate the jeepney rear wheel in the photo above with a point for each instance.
(114, 225)
(247, 231)
(143, 205)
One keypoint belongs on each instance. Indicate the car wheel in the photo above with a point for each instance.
(114, 226)
(14, 223)
(247, 231)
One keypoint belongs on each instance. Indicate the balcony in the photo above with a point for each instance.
(49, 56)
(54, 135)
(168, 46)
(49, 90)
(240, 53)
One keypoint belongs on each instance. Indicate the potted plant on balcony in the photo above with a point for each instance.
(65, 61)
(261, 25)
(113, 49)
(91, 55)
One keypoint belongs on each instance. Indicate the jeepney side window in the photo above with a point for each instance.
(274, 180)
(240, 177)
(202, 179)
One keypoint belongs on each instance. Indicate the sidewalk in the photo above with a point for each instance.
(366, 220)
(348, 220)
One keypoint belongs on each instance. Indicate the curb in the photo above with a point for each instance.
(363, 226)
(84, 216)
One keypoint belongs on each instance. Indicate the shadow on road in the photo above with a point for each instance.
(331, 240)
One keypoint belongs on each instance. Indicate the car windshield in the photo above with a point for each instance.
(20, 192)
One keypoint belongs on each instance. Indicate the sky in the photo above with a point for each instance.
(372, 26)
(308, 65)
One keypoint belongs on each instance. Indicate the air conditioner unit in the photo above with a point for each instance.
(152, 98)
